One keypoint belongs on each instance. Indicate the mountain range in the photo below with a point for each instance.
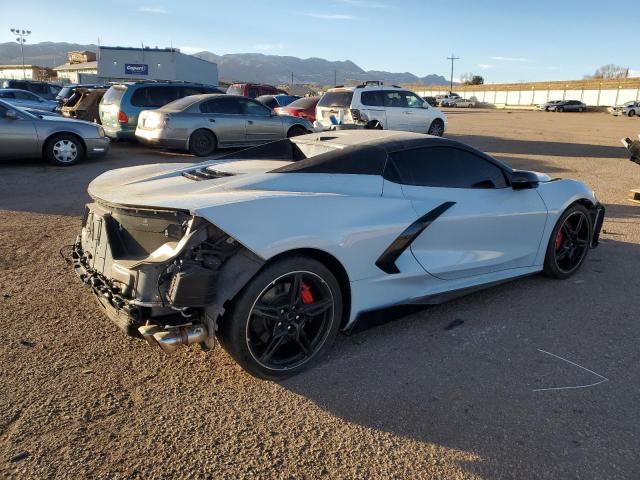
(247, 67)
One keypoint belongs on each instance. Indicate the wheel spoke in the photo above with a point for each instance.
(303, 341)
(269, 312)
(562, 255)
(294, 290)
(316, 308)
(578, 226)
(272, 346)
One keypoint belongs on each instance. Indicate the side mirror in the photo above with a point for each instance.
(521, 179)
(11, 115)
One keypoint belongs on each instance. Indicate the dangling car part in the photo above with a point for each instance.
(273, 250)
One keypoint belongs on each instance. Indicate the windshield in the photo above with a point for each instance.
(180, 104)
(340, 98)
(114, 95)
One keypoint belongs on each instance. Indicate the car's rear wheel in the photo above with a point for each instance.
(560, 109)
(296, 131)
(64, 150)
(286, 317)
(631, 113)
(202, 143)
(569, 243)
(373, 125)
(436, 128)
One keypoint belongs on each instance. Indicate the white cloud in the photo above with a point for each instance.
(511, 59)
(363, 3)
(192, 50)
(160, 10)
(330, 16)
(268, 47)
(485, 66)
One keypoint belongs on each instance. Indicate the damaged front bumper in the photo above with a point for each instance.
(160, 275)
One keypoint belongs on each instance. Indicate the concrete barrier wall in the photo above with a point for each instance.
(595, 93)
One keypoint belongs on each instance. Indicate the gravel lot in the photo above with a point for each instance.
(448, 392)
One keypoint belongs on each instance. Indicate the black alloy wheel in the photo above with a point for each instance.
(569, 243)
(285, 317)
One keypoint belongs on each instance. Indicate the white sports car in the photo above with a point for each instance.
(275, 249)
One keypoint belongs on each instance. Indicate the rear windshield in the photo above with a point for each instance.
(304, 103)
(235, 90)
(336, 99)
(114, 95)
(180, 104)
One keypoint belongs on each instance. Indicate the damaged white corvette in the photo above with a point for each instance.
(275, 249)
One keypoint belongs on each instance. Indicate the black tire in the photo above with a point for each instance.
(296, 131)
(64, 150)
(202, 143)
(560, 109)
(566, 253)
(436, 128)
(580, 109)
(373, 125)
(261, 342)
(631, 113)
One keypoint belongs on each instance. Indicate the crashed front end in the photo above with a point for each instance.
(163, 275)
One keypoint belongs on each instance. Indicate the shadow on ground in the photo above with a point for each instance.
(464, 374)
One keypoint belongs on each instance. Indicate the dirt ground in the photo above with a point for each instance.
(448, 392)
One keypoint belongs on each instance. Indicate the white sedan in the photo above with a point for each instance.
(463, 103)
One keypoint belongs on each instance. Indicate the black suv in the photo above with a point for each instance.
(43, 89)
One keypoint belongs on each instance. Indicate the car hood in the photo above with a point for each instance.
(180, 187)
(49, 118)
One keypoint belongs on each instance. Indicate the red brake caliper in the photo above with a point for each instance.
(559, 240)
(306, 295)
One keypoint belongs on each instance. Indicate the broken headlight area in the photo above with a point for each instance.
(163, 275)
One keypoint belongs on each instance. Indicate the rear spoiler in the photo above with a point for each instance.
(634, 149)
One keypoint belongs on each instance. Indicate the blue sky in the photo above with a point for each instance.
(505, 41)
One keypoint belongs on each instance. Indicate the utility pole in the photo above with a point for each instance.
(21, 40)
(291, 88)
(453, 58)
(335, 78)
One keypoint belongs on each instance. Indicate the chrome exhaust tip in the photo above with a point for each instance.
(170, 339)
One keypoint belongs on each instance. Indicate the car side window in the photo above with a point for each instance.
(444, 166)
(413, 101)
(373, 99)
(3, 111)
(251, 107)
(395, 99)
(25, 96)
(254, 92)
(222, 105)
(7, 95)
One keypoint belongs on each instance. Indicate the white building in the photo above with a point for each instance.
(85, 72)
(30, 72)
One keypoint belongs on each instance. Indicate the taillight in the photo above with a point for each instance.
(122, 117)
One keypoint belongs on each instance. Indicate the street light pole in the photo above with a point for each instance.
(453, 58)
(21, 34)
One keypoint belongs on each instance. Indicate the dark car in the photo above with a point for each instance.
(45, 90)
(253, 90)
(431, 101)
(123, 102)
(568, 106)
(275, 101)
(303, 107)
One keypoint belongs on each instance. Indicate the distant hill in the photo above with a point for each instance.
(248, 67)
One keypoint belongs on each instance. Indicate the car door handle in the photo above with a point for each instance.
(250, 122)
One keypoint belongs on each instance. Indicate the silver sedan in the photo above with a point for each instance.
(61, 141)
(201, 124)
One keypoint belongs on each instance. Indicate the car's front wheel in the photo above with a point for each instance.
(202, 143)
(285, 318)
(569, 243)
(436, 128)
(631, 113)
(64, 150)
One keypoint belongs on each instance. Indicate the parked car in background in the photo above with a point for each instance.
(201, 124)
(445, 97)
(25, 99)
(568, 106)
(67, 92)
(463, 103)
(61, 141)
(275, 101)
(84, 104)
(449, 102)
(45, 90)
(629, 109)
(545, 106)
(123, 102)
(304, 107)
(253, 90)
(374, 105)
(431, 101)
